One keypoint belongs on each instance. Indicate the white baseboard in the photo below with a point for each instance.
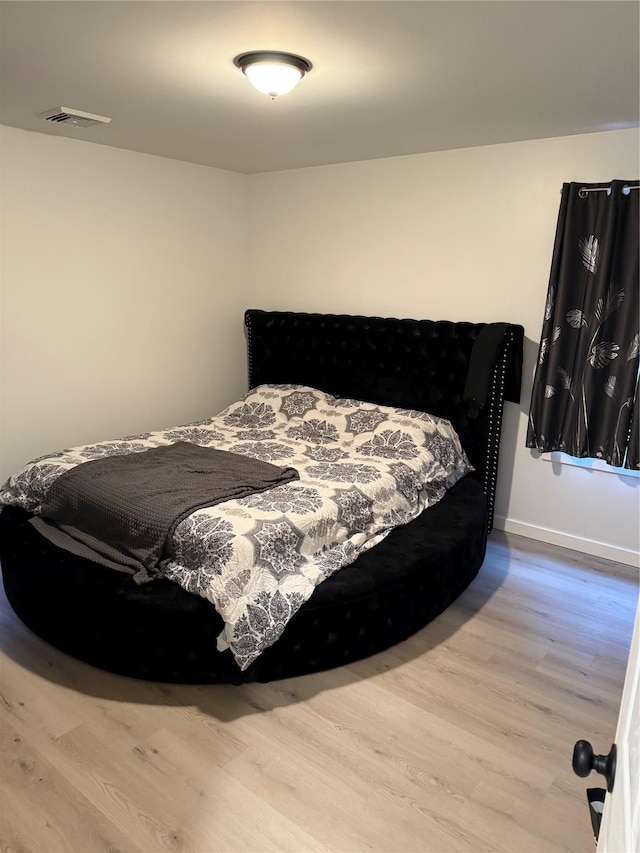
(566, 540)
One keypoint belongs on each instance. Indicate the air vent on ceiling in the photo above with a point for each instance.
(77, 118)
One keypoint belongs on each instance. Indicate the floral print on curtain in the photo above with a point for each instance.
(584, 400)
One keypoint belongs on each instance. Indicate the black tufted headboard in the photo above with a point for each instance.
(432, 366)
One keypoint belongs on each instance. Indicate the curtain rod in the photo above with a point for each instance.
(583, 192)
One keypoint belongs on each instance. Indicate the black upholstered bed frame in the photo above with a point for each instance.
(158, 631)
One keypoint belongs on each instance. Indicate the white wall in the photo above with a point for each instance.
(458, 235)
(122, 293)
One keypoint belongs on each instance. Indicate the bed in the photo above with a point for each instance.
(458, 373)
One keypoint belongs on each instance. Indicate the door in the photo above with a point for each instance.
(620, 828)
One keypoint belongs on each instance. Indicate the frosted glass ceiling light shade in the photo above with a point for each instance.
(272, 78)
(271, 72)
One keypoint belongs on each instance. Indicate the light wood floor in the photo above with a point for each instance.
(459, 739)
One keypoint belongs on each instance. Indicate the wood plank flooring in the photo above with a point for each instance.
(459, 739)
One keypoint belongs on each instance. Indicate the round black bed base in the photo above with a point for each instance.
(159, 632)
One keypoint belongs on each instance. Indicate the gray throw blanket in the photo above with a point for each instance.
(121, 511)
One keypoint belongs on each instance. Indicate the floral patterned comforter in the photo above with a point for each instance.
(364, 469)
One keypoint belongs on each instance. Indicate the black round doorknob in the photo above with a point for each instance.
(584, 761)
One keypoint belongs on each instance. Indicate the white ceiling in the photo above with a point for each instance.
(388, 78)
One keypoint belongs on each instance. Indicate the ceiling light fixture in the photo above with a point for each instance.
(272, 72)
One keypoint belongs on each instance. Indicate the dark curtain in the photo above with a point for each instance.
(584, 400)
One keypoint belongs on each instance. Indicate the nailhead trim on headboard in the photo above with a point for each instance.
(496, 408)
